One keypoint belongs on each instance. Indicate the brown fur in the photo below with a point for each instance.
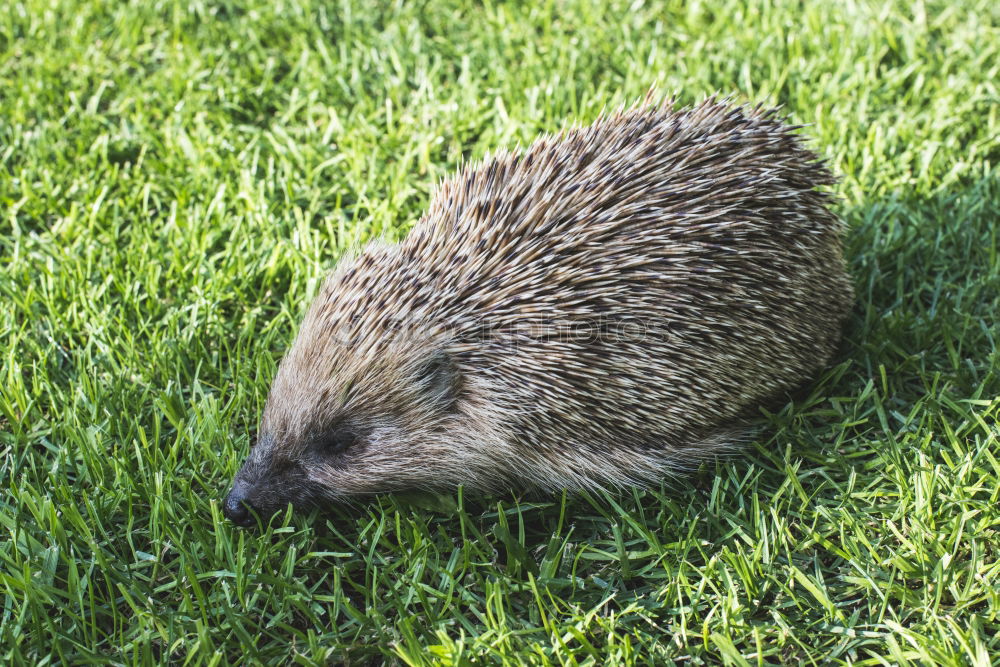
(598, 310)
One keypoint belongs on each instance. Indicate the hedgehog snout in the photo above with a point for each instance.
(265, 484)
(237, 506)
(246, 502)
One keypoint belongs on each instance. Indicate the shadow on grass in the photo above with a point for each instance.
(923, 326)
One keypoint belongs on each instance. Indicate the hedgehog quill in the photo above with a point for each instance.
(605, 308)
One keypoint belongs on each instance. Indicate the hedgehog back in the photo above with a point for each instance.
(629, 289)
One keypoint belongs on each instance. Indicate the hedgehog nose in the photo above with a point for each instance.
(237, 508)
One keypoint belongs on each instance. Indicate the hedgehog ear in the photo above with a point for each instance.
(441, 379)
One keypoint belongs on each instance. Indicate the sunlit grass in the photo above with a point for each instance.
(175, 179)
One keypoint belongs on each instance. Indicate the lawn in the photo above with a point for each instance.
(177, 177)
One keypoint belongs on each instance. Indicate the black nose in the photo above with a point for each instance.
(237, 507)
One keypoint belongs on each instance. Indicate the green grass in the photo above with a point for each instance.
(175, 179)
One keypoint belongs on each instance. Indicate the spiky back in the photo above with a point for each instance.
(702, 230)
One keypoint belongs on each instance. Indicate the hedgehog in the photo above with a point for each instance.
(603, 309)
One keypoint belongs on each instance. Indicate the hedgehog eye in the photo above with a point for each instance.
(337, 441)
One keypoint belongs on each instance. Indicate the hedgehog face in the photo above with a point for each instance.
(366, 424)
